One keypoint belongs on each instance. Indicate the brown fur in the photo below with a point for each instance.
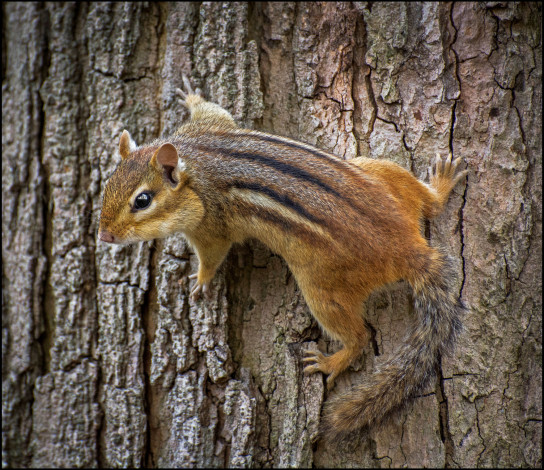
(344, 228)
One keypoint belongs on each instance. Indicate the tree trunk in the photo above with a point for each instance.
(105, 359)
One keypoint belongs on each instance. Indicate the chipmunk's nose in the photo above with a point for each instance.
(106, 236)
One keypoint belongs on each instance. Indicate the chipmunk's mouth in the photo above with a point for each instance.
(108, 237)
(129, 236)
(105, 236)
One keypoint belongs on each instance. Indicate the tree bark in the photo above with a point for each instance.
(105, 359)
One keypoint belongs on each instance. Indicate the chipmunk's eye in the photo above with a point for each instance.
(142, 201)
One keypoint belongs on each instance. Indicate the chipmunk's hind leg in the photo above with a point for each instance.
(346, 324)
(443, 179)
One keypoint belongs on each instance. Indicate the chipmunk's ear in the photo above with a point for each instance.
(126, 145)
(166, 158)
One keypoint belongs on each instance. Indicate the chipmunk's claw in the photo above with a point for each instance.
(446, 169)
(198, 289)
(320, 364)
(184, 94)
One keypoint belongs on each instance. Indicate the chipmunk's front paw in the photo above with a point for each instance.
(198, 289)
(189, 97)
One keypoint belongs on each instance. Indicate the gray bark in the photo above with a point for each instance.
(105, 359)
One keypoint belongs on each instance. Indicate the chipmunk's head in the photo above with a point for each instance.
(148, 196)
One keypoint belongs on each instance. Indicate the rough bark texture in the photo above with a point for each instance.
(106, 361)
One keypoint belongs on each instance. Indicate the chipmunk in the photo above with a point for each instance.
(344, 228)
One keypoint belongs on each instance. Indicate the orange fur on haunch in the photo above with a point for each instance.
(344, 228)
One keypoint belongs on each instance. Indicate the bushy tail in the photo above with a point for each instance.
(439, 313)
